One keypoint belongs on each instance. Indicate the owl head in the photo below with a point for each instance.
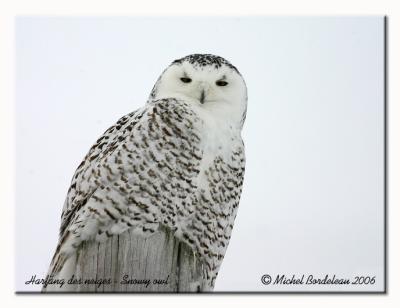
(208, 82)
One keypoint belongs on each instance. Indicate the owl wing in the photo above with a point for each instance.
(82, 184)
(140, 173)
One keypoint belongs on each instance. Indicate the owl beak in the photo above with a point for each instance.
(202, 97)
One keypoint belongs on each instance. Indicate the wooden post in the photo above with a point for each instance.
(132, 263)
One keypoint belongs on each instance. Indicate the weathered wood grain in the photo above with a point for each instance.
(159, 263)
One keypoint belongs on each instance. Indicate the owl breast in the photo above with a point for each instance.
(205, 220)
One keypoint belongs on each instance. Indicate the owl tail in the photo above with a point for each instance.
(62, 267)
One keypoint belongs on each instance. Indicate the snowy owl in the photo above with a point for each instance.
(177, 162)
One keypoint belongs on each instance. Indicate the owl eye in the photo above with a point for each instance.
(221, 83)
(186, 80)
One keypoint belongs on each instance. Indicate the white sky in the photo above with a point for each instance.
(313, 195)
